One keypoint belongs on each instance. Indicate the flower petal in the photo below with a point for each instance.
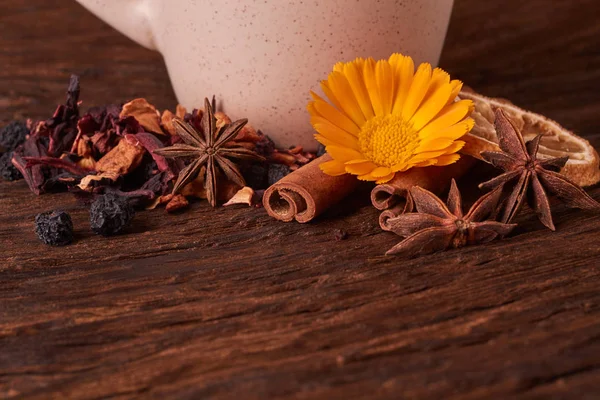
(454, 147)
(385, 83)
(405, 71)
(371, 85)
(366, 177)
(456, 88)
(427, 163)
(457, 130)
(439, 78)
(386, 178)
(325, 141)
(334, 133)
(426, 155)
(340, 86)
(333, 168)
(431, 107)
(447, 159)
(380, 172)
(434, 144)
(343, 154)
(449, 116)
(354, 74)
(365, 167)
(417, 91)
(332, 114)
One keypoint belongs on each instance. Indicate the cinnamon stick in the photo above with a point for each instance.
(434, 179)
(307, 192)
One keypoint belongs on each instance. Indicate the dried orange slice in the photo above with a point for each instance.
(583, 165)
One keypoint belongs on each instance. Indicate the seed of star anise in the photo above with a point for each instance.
(437, 226)
(208, 151)
(526, 176)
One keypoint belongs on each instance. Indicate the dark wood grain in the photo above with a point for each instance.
(228, 303)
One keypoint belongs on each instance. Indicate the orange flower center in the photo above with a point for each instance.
(388, 140)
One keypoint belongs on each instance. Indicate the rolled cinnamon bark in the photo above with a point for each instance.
(307, 192)
(434, 179)
(393, 212)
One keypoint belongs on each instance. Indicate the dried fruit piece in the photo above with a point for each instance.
(110, 214)
(245, 195)
(145, 113)
(12, 135)
(122, 159)
(277, 172)
(8, 171)
(54, 228)
(583, 165)
(177, 202)
(340, 234)
(529, 177)
(255, 175)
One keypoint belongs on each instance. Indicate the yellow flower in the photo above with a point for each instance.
(385, 118)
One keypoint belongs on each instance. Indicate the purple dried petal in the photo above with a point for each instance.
(56, 163)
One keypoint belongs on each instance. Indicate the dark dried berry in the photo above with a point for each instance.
(255, 176)
(340, 234)
(265, 146)
(110, 214)
(54, 228)
(8, 171)
(277, 172)
(12, 135)
(320, 150)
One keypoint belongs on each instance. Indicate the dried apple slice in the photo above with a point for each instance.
(583, 165)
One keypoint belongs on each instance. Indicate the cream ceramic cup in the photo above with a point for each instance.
(262, 57)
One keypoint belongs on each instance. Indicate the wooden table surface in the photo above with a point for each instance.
(229, 303)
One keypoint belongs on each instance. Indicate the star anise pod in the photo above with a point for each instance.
(210, 152)
(437, 226)
(527, 176)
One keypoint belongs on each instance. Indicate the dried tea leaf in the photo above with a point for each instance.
(145, 113)
(122, 159)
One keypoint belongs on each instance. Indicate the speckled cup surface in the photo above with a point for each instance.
(261, 58)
